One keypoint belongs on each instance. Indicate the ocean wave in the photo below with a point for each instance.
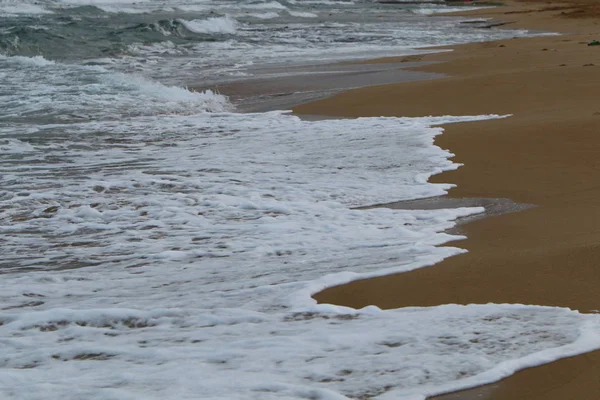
(53, 40)
(37, 61)
(15, 146)
(159, 48)
(145, 6)
(266, 15)
(50, 91)
(214, 25)
(269, 5)
(17, 39)
(436, 9)
(302, 14)
(18, 7)
(165, 27)
(322, 2)
(100, 2)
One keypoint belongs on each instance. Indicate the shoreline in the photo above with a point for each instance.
(544, 154)
(275, 88)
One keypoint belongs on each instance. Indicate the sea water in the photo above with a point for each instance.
(158, 245)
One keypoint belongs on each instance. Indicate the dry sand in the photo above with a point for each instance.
(547, 153)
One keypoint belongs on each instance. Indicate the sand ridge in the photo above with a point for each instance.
(546, 153)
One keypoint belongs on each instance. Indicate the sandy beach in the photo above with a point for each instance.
(545, 154)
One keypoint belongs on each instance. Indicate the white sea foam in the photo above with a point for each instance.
(270, 5)
(193, 354)
(35, 61)
(302, 14)
(204, 237)
(159, 48)
(225, 24)
(100, 2)
(202, 7)
(17, 9)
(433, 9)
(14, 146)
(266, 15)
(125, 10)
(115, 6)
(321, 2)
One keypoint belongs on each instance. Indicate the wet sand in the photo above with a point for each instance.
(282, 87)
(547, 154)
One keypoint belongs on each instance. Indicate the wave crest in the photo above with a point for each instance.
(48, 91)
(224, 25)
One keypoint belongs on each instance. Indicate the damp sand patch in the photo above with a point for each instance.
(493, 207)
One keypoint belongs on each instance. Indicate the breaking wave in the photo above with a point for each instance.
(224, 25)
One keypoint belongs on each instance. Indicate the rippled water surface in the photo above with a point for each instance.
(212, 41)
